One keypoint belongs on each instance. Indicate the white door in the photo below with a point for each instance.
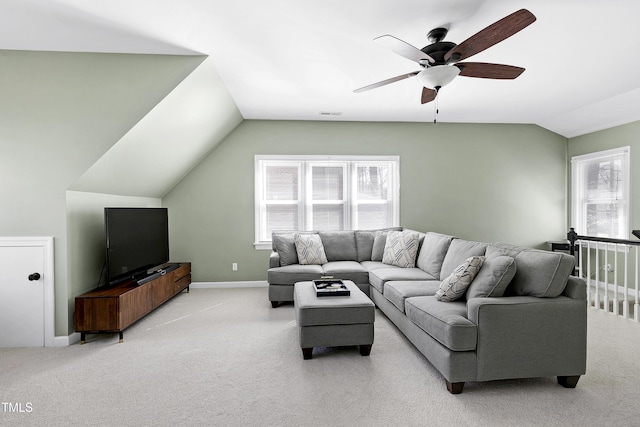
(24, 300)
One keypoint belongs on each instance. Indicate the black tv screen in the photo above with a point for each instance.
(137, 239)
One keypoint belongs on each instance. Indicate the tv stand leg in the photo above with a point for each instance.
(82, 338)
(121, 336)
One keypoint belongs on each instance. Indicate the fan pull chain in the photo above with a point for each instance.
(436, 110)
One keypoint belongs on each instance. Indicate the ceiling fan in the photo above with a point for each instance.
(439, 60)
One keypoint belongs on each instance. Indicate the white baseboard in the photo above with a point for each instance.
(218, 285)
(62, 341)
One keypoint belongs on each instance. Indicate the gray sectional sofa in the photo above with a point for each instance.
(522, 316)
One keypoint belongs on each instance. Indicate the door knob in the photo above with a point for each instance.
(34, 276)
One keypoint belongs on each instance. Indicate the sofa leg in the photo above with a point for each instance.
(455, 388)
(274, 304)
(568, 382)
(307, 353)
(365, 349)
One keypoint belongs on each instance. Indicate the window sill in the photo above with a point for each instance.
(262, 246)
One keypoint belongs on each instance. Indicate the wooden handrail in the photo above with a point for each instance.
(572, 236)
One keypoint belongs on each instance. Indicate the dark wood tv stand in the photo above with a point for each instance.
(113, 309)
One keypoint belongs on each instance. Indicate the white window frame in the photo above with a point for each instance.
(306, 163)
(310, 202)
(578, 197)
(261, 207)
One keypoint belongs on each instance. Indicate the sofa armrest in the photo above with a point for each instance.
(576, 288)
(481, 309)
(523, 337)
(274, 259)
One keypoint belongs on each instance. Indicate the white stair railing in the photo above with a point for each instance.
(608, 266)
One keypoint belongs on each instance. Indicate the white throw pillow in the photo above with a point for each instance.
(401, 248)
(456, 284)
(310, 249)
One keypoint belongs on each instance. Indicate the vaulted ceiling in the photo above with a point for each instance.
(301, 60)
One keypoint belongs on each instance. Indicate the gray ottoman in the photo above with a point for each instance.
(335, 320)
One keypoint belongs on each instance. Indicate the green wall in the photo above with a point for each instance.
(496, 182)
(59, 113)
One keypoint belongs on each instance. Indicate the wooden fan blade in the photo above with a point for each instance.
(494, 33)
(403, 48)
(386, 82)
(484, 70)
(428, 95)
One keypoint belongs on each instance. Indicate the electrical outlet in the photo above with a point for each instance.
(234, 266)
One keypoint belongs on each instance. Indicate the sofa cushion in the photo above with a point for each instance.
(346, 270)
(309, 249)
(290, 274)
(374, 265)
(504, 249)
(541, 273)
(365, 240)
(379, 243)
(456, 285)
(339, 245)
(364, 244)
(379, 276)
(459, 251)
(493, 278)
(444, 321)
(398, 291)
(401, 249)
(432, 253)
(284, 244)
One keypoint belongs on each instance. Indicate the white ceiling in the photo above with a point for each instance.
(293, 59)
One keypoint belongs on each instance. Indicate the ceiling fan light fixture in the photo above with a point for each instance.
(437, 76)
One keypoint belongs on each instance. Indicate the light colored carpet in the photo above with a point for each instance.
(224, 357)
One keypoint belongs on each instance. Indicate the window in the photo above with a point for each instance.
(325, 193)
(600, 193)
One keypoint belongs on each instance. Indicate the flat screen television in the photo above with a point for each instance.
(137, 240)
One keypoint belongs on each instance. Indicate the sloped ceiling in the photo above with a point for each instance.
(295, 60)
(59, 113)
(173, 137)
(137, 152)
(70, 108)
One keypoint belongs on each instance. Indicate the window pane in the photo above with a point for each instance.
(604, 179)
(600, 189)
(327, 182)
(280, 217)
(372, 183)
(281, 183)
(373, 216)
(328, 217)
(603, 219)
(324, 193)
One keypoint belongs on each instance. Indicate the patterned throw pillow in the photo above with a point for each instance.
(401, 248)
(456, 285)
(310, 249)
